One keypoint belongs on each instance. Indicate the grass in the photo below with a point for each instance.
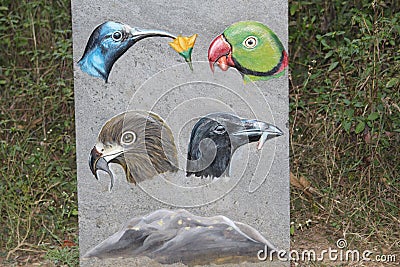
(38, 203)
(63, 256)
(344, 119)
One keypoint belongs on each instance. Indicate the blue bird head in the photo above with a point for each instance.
(108, 42)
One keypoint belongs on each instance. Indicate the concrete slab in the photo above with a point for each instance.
(151, 76)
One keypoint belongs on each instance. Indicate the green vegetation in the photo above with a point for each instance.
(345, 117)
(63, 256)
(345, 125)
(38, 202)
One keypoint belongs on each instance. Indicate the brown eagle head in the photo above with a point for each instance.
(141, 142)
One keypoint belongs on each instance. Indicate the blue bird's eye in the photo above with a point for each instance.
(117, 36)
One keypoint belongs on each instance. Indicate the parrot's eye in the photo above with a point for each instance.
(128, 138)
(250, 42)
(219, 129)
(117, 36)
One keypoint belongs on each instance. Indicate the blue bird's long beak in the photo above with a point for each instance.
(138, 33)
(108, 42)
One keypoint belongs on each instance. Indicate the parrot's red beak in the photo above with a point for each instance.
(220, 52)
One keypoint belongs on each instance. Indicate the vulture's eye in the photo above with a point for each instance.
(128, 138)
(250, 42)
(117, 36)
(219, 129)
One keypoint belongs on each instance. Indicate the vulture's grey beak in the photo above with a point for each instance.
(258, 131)
(98, 162)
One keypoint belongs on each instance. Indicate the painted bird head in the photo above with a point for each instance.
(250, 47)
(216, 137)
(141, 142)
(108, 42)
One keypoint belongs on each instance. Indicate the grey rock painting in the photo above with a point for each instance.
(168, 236)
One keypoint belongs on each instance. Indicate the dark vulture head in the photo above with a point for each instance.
(108, 42)
(216, 137)
(141, 142)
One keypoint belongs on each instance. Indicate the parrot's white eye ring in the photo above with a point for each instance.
(250, 42)
(117, 36)
(128, 138)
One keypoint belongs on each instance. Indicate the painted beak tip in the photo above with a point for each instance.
(277, 131)
(219, 53)
(212, 66)
(93, 158)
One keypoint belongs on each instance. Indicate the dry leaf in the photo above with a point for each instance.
(303, 184)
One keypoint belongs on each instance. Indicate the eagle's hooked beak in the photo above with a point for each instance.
(99, 161)
(220, 53)
(258, 131)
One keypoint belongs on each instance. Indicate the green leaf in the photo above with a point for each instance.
(359, 105)
(325, 44)
(373, 116)
(329, 54)
(292, 230)
(349, 113)
(368, 22)
(360, 127)
(346, 126)
(346, 102)
(392, 82)
(293, 9)
(74, 212)
(332, 66)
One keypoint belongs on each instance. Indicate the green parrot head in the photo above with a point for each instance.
(250, 47)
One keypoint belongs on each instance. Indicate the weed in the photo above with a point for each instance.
(37, 148)
(345, 116)
(67, 256)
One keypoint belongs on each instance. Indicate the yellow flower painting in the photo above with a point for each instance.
(184, 46)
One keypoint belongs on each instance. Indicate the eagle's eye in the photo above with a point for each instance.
(117, 36)
(250, 42)
(128, 138)
(219, 129)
